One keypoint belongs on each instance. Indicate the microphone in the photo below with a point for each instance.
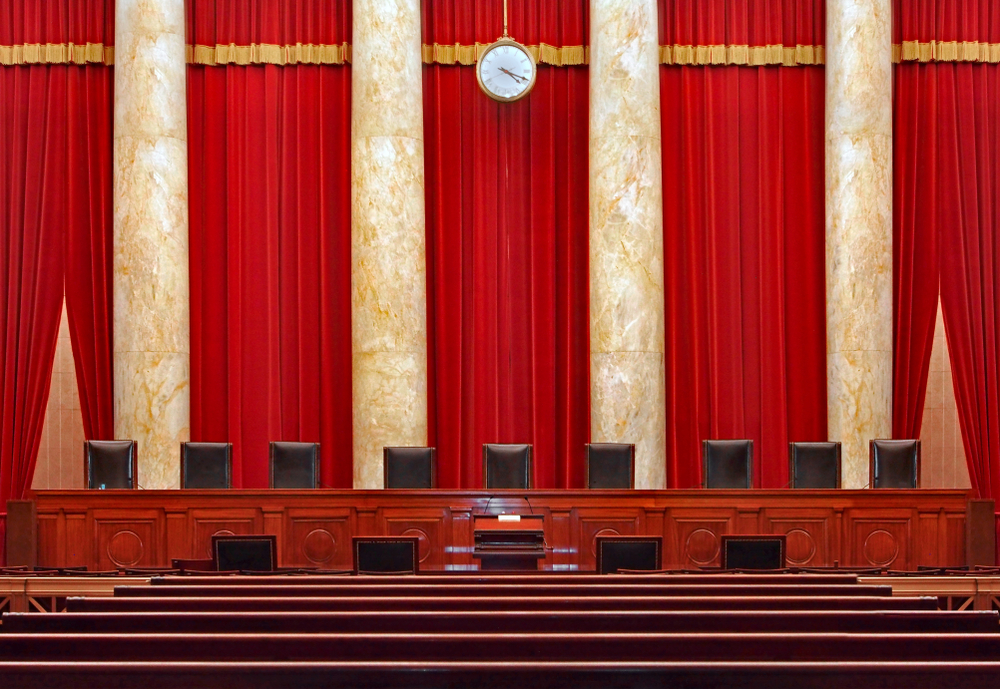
(487, 508)
(529, 504)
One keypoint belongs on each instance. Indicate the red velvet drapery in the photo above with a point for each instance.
(269, 176)
(743, 181)
(507, 249)
(947, 100)
(55, 221)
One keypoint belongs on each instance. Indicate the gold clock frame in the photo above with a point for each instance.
(498, 44)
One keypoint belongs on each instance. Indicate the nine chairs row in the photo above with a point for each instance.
(293, 465)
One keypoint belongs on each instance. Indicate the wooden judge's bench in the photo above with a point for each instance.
(901, 529)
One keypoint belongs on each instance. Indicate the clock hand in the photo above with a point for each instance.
(512, 75)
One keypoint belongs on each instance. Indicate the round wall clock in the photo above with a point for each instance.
(506, 70)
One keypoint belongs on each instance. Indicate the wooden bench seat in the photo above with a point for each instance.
(501, 647)
(516, 590)
(478, 673)
(486, 603)
(542, 621)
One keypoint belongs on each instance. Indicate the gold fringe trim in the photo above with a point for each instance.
(57, 54)
(269, 54)
(545, 54)
(753, 56)
(946, 51)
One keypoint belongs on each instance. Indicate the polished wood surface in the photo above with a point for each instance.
(902, 529)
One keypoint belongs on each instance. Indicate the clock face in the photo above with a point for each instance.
(506, 71)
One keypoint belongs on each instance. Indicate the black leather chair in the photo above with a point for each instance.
(110, 463)
(294, 465)
(386, 555)
(894, 463)
(727, 463)
(610, 465)
(206, 465)
(814, 465)
(633, 553)
(507, 466)
(408, 467)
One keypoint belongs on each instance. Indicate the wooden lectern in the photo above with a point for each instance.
(508, 541)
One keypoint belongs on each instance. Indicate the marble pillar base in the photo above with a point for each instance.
(628, 405)
(859, 391)
(155, 388)
(390, 408)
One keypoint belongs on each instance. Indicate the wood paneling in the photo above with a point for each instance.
(105, 529)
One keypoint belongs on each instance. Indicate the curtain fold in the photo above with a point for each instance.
(947, 178)
(742, 22)
(507, 251)
(744, 240)
(89, 243)
(916, 216)
(55, 192)
(969, 132)
(270, 170)
(271, 22)
(531, 22)
(269, 165)
(33, 176)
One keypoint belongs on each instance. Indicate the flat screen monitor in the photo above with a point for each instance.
(244, 553)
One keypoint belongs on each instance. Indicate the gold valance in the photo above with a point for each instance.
(749, 55)
(269, 54)
(57, 54)
(946, 51)
(315, 54)
(544, 54)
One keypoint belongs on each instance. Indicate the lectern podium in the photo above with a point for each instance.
(508, 541)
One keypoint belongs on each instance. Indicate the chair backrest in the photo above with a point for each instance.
(507, 466)
(245, 553)
(110, 463)
(814, 465)
(765, 551)
(206, 465)
(727, 463)
(408, 467)
(635, 553)
(610, 465)
(386, 554)
(894, 463)
(294, 465)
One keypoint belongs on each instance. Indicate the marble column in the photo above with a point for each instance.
(388, 270)
(858, 228)
(151, 295)
(627, 394)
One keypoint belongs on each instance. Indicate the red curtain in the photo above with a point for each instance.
(948, 175)
(89, 261)
(742, 22)
(744, 238)
(269, 176)
(507, 249)
(32, 223)
(55, 221)
(269, 22)
(916, 216)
